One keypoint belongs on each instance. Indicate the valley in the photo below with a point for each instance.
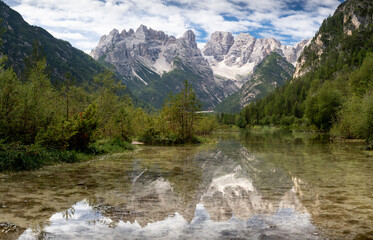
(198, 120)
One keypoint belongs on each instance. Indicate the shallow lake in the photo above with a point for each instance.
(246, 186)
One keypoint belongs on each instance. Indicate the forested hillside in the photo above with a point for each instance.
(24, 44)
(19, 37)
(332, 87)
(272, 72)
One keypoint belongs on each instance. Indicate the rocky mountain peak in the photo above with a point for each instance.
(133, 52)
(125, 34)
(106, 41)
(235, 58)
(157, 35)
(219, 45)
(274, 41)
(114, 32)
(171, 40)
(224, 38)
(245, 37)
(190, 36)
(142, 28)
(142, 33)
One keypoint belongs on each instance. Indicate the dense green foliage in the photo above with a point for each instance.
(230, 104)
(42, 124)
(272, 72)
(176, 122)
(335, 94)
(322, 106)
(15, 157)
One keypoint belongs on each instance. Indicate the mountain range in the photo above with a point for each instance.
(235, 59)
(154, 64)
(330, 86)
(150, 63)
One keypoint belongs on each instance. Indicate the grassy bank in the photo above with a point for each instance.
(18, 157)
(324, 136)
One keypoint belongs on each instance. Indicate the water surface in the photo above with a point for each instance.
(247, 186)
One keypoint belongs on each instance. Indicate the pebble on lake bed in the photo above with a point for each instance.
(7, 227)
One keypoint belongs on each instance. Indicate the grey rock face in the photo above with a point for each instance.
(124, 49)
(235, 59)
(224, 66)
(292, 53)
(158, 52)
(154, 49)
(219, 45)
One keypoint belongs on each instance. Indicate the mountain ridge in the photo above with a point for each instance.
(236, 58)
(347, 19)
(17, 41)
(273, 71)
(62, 58)
(145, 59)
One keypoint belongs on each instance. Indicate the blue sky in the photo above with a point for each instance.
(83, 22)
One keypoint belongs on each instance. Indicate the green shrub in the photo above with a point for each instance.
(355, 119)
(17, 157)
(323, 106)
(206, 125)
(109, 146)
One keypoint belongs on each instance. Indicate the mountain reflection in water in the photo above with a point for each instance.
(87, 223)
(249, 186)
(221, 202)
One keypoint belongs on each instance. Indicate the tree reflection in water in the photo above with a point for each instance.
(257, 187)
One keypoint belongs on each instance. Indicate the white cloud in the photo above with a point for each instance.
(312, 4)
(86, 46)
(83, 22)
(68, 35)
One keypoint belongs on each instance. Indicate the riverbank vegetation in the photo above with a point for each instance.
(342, 107)
(42, 123)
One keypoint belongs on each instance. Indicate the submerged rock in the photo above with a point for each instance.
(369, 146)
(9, 230)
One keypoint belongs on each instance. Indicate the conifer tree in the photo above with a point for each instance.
(182, 111)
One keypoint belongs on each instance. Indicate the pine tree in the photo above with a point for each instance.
(181, 110)
(37, 101)
(9, 90)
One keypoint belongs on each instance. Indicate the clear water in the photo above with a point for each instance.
(247, 186)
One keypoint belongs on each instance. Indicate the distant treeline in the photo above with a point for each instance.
(335, 96)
